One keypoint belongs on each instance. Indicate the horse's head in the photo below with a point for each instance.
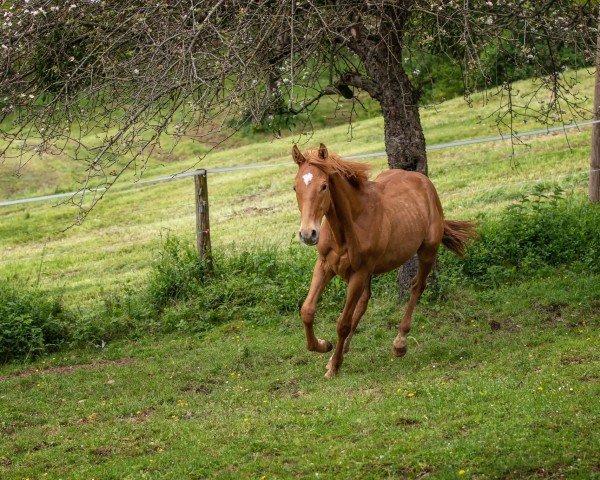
(312, 192)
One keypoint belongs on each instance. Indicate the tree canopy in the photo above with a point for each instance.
(131, 72)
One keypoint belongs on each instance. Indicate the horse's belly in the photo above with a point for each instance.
(391, 263)
(406, 234)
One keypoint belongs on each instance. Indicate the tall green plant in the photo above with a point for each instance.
(31, 322)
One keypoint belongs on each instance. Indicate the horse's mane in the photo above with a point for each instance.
(355, 173)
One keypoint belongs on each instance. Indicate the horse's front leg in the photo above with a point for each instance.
(356, 286)
(359, 311)
(322, 275)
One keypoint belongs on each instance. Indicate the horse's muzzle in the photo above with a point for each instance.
(309, 237)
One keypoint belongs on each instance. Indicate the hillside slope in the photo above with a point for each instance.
(115, 244)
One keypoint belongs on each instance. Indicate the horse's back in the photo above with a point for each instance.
(413, 188)
(396, 177)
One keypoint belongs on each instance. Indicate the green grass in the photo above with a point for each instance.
(246, 401)
(497, 383)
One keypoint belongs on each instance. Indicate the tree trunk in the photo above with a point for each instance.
(405, 146)
(387, 82)
(404, 139)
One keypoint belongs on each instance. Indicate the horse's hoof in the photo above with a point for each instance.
(331, 373)
(399, 351)
(324, 346)
(399, 347)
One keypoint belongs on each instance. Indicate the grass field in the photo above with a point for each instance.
(472, 399)
(497, 383)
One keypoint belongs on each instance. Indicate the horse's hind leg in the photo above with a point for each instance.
(427, 254)
(359, 311)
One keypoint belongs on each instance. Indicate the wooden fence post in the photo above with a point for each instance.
(594, 186)
(202, 219)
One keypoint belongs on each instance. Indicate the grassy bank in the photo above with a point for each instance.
(541, 233)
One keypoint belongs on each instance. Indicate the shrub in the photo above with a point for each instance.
(254, 284)
(541, 230)
(31, 322)
(176, 273)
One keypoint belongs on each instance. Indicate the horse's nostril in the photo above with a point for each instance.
(308, 236)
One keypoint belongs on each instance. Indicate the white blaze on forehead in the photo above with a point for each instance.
(307, 178)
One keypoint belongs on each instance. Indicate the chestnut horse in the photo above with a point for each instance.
(370, 227)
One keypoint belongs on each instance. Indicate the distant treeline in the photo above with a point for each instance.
(441, 77)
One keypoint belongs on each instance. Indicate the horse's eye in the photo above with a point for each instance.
(294, 187)
(324, 187)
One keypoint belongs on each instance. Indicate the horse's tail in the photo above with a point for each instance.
(456, 235)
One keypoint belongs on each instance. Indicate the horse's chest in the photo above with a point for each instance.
(340, 263)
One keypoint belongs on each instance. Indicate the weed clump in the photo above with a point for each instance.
(177, 273)
(32, 322)
(254, 284)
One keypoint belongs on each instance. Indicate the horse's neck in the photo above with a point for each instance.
(346, 205)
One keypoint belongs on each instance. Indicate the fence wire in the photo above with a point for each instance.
(168, 178)
(183, 206)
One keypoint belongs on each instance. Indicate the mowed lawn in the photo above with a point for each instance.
(497, 383)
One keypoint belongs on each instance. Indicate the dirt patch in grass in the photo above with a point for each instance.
(495, 325)
(103, 451)
(138, 417)
(577, 359)
(572, 360)
(202, 389)
(249, 211)
(547, 473)
(407, 422)
(286, 388)
(510, 325)
(62, 369)
(552, 311)
(205, 387)
(255, 211)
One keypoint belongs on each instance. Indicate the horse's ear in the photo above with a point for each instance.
(297, 156)
(323, 154)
